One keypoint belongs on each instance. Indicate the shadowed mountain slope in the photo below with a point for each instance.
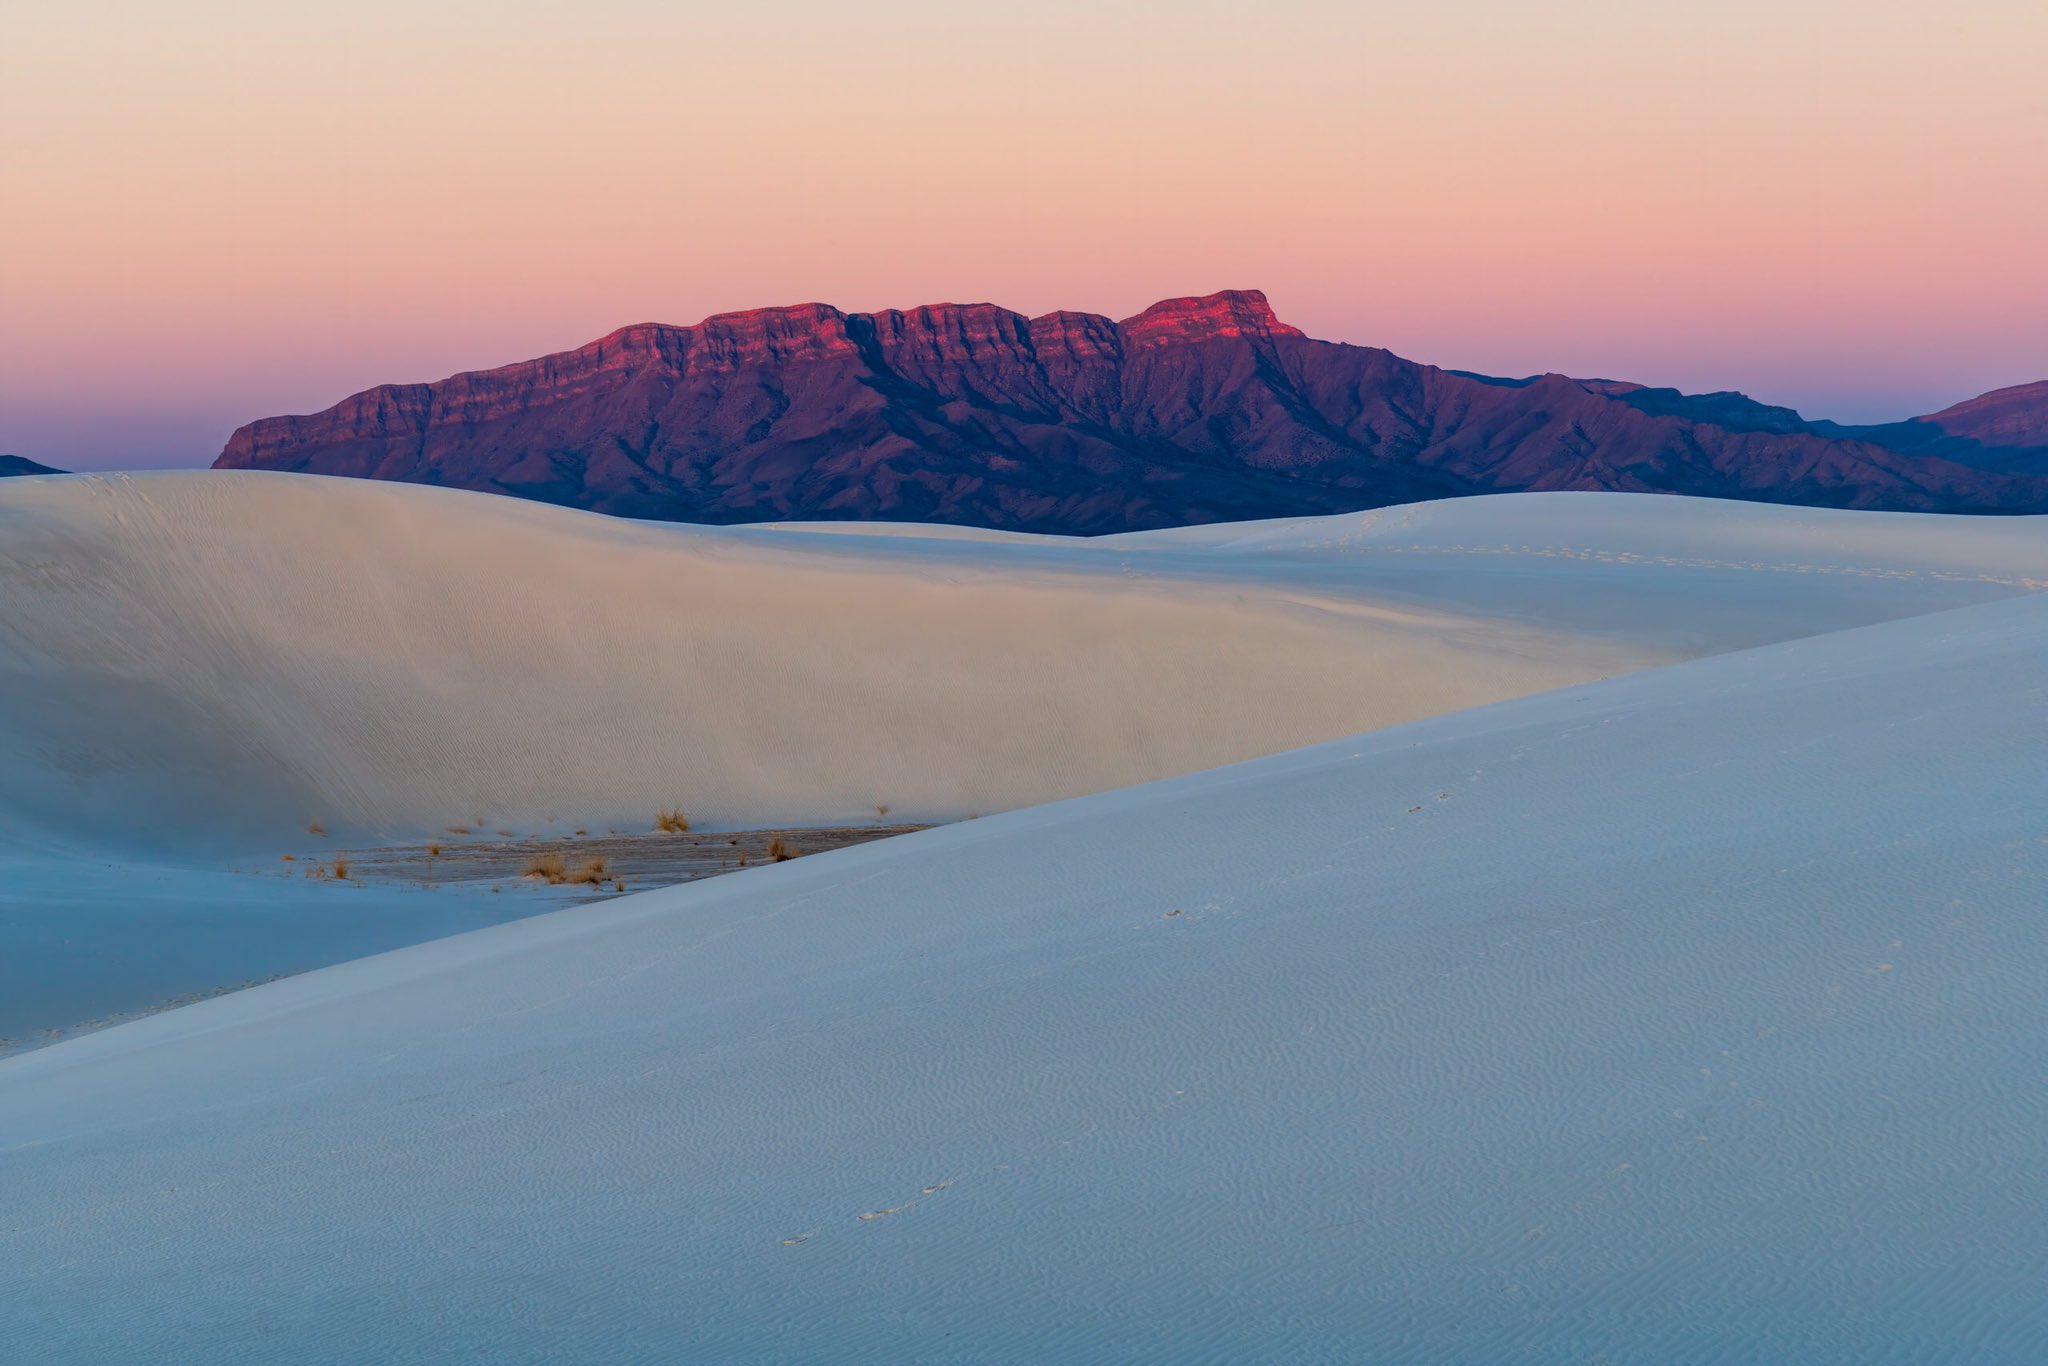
(2004, 430)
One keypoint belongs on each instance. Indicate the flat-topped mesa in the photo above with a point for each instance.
(1231, 313)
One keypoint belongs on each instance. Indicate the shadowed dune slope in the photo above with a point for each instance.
(1687, 1017)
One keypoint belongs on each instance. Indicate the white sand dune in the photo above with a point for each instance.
(210, 662)
(193, 667)
(199, 664)
(1692, 1016)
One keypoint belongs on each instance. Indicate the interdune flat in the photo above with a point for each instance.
(1692, 1016)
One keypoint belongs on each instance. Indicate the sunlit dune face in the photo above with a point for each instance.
(220, 212)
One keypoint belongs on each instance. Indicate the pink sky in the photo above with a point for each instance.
(218, 211)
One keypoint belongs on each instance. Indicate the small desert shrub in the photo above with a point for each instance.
(619, 885)
(591, 872)
(290, 858)
(554, 870)
(672, 821)
(881, 811)
(341, 867)
(433, 851)
(316, 828)
(549, 867)
(780, 851)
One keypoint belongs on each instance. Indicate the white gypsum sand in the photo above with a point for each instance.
(196, 666)
(200, 664)
(211, 661)
(1686, 1017)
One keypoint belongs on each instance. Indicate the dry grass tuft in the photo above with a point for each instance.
(881, 811)
(290, 858)
(672, 821)
(433, 851)
(341, 867)
(554, 870)
(316, 828)
(780, 851)
(551, 868)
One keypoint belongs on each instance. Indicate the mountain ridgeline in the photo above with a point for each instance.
(1196, 410)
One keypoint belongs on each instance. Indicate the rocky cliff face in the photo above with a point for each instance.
(1196, 410)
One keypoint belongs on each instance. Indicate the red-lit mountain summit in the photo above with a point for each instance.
(1195, 410)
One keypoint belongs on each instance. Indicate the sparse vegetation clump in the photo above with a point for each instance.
(780, 851)
(554, 870)
(316, 828)
(550, 868)
(672, 821)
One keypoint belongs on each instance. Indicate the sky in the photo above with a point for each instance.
(212, 211)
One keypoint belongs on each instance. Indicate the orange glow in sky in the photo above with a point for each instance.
(216, 211)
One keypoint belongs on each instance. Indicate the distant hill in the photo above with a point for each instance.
(2006, 429)
(1196, 410)
(11, 465)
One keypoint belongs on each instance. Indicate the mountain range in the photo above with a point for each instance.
(1195, 410)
